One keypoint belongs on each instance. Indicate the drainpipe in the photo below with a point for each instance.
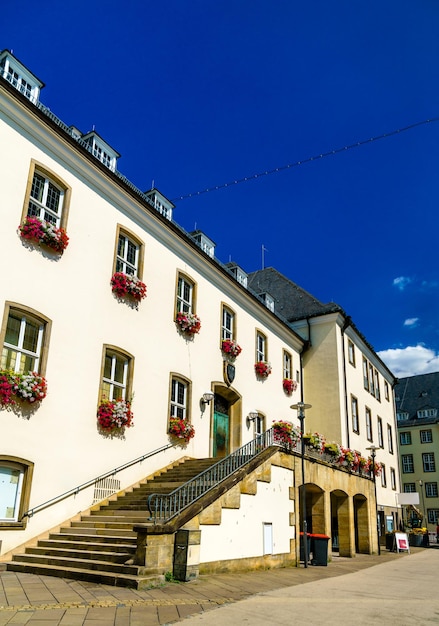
(347, 323)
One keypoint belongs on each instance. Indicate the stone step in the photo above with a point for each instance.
(104, 578)
(72, 552)
(95, 546)
(112, 532)
(93, 538)
(73, 563)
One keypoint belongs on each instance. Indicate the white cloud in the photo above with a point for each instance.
(401, 282)
(410, 361)
(411, 321)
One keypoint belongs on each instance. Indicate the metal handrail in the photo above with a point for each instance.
(73, 492)
(166, 506)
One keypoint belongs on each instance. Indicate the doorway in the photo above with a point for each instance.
(221, 427)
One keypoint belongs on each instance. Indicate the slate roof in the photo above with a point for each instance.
(416, 393)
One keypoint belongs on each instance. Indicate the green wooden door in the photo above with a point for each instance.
(220, 434)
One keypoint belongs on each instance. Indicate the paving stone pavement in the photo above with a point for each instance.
(48, 601)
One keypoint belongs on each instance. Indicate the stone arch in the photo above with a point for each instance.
(342, 523)
(361, 524)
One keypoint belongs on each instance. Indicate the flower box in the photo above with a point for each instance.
(289, 386)
(181, 429)
(29, 388)
(124, 285)
(114, 415)
(316, 441)
(188, 323)
(230, 348)
(44, 233)
(286, 433)
(262, 369)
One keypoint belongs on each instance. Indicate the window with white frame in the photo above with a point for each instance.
(371, 380)
(402, 416)
(127, 255)
(431, 490)
(393, 478)
(407, 464)
(433, 516)
(46, 196)
(377, 386)
(15, 484)
(386, 390)
(405, 438)
(287, 365)
(390, 438)
(365, 374)
(179, 403)
(261, 347)
(351, 352)
(185, 295)
(426, 436)
(409, 487)
(428, 462)
(116, 376)
(380, 432)
(383, 475)
(369, 433)
(259, 423)
(355, 417)
(227, 323)
(427, 413)
(23, 341)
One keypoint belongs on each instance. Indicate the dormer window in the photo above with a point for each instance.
(427, 413)
(268, 300)
(239, 274)
(162, 204)
(101, 150)
(402, 416)
(19, 76)
(206, 244)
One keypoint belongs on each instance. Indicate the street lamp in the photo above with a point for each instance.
(301, 408)
(373, 450)
(421, 489)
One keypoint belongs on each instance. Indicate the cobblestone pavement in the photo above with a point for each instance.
(48, 601)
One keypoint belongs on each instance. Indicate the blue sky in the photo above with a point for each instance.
(198, 93)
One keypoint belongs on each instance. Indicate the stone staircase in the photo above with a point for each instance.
(100, 547)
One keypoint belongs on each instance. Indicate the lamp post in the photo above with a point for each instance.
(421, 489)
(301, 407)
(373, 450)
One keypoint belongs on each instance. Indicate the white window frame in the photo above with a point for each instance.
(39, 208)
(261, 347)
(426, 436)
(124, 263)
(369, 431)
(393, 478)
(409, 487)
(383, 475)
(185, 295)
(355, 416)
(351, 352)
(287, 365)
(19, 348)
(390, 438)
(405, 438)
(259, 425)
(428, 462)
(433, 516)
(227, 323)
(431, 490)
(117, 388)
(179, 398)
(407, 464)
(380, 432)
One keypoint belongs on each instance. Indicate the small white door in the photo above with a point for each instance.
(11, 479)
(268, 538)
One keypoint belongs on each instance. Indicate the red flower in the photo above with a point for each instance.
(262, 369)
(44, 232)
(125, 285)
(289, 385)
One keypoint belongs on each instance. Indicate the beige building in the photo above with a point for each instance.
(417, 400)
(119, 329)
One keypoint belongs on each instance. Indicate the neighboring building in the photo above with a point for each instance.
(347, 384)
(80, 320)
(417, 405)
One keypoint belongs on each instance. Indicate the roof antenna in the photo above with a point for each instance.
(264, 249)
(152, 184)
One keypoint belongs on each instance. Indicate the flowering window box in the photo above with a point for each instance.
(29, 388)
(181, 429)
(125, 285)
(44, 233)
(289, 386)
(230, 348)
(262, 369)
(286, 433)
(115, 415)
(188, 323)
(315, 441)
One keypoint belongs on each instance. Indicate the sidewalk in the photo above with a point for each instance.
(283, 596)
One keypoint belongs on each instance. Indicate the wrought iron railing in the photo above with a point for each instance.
(163, 507)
